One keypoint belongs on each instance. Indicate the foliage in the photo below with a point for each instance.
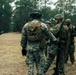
(15, 19)
(68, 8)
(23, 8)
(5, 15)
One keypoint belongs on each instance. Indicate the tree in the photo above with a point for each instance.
(68, 7)
(23, 8)
(5, 15)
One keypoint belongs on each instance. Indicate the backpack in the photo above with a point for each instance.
(35, 34)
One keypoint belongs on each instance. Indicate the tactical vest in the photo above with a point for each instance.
(64, 34)
(35, 34)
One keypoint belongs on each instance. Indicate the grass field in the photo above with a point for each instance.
(13, 63)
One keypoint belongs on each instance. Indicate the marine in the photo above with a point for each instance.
(58, 31)
(32, 42)
(48, 42)
(70, 49)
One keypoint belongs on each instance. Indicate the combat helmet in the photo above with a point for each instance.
(68, 21)
(35, 14)
(58, 16)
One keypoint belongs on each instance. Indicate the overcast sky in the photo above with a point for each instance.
(52, 6)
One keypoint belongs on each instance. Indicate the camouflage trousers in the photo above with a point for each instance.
(51, 53)
(71, 51)
(37, 58)
(59, 51)
(46, 49)
(60, 59)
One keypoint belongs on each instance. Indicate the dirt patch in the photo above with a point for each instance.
(13, 63)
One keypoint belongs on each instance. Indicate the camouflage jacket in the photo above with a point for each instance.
(63, 34)
(43, 27)
(70, 32)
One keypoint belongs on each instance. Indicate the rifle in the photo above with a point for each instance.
(58, 34)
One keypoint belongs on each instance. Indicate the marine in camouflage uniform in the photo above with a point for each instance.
(70, 49)
(32, 41)
(57, 51)
(48, 42)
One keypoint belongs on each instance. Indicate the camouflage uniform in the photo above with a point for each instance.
(34, 52)
(48, 42)
(57, 51)
(70, 42)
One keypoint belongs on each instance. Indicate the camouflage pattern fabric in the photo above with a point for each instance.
(34, 53)
(48, 44)
(51, 53)
(59, 51)
(71, 53)
(36, 57)
(60, 59)
(70, 45)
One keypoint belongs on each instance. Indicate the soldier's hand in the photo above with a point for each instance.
(24, 51)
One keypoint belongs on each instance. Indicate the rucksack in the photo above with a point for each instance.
(34, 32)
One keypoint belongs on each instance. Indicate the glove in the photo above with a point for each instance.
(24, 51)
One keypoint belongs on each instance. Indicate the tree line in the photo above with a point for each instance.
(14, 20)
